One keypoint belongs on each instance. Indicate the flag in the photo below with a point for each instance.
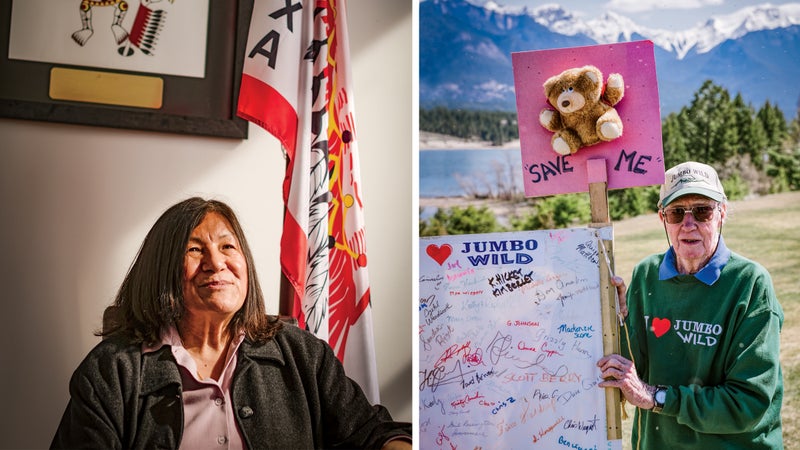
(297, 85)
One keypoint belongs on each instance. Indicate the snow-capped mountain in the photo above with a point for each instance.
(466, 46)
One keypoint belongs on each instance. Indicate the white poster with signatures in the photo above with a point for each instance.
(509, 335)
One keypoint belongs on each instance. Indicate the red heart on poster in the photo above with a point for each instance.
(439, 254)
(661, 326)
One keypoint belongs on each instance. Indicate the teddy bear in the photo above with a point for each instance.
(584, 109)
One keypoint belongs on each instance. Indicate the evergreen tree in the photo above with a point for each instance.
(758, 143)
(674, 140)
(774, 123)
(497, 127)
(707, 127)
(742, 121)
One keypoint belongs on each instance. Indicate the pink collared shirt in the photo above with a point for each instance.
(208, 416)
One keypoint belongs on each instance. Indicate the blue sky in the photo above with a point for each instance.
(672, 15)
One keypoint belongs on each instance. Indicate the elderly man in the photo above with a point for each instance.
(702, 333)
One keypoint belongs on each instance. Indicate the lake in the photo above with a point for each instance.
(454, 173)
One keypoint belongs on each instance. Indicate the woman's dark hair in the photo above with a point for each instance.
(150, 298)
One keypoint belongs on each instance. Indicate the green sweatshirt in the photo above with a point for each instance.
(714, 340)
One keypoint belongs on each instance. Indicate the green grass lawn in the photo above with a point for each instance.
(766, 230)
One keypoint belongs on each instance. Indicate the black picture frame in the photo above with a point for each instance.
(197, 106)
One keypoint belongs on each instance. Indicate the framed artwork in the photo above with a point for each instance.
(158, 65)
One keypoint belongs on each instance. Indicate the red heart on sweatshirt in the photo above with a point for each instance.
(660, 326)
(439, 254)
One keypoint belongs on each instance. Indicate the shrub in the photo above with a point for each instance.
(741, 177)
(631, 202)
(560, 211)
(458, 220)
(735, 187)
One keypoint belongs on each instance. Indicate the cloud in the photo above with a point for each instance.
(638, 6)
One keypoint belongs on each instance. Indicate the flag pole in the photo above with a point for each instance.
(285, 288)
(286, 297)
(598, 203)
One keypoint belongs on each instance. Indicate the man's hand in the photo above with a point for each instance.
(622, 291)
(619, 372)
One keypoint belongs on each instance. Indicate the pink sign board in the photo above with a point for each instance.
(636, 158)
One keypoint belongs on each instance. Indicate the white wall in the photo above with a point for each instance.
(77, 201)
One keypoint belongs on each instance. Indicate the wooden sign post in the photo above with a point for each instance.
(598, 202)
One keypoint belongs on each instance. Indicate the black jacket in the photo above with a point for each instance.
(288, 393)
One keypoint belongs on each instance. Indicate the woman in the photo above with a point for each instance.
(702, 338)
(191, 359)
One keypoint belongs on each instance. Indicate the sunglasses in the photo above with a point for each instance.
(702, 213)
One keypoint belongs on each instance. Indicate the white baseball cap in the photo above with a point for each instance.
(690, 178)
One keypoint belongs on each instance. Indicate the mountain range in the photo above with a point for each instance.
(465, 51)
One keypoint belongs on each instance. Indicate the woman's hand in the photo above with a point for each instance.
(619, 372)
(397, 444)
(622, 291)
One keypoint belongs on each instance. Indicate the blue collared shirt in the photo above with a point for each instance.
(709, 274)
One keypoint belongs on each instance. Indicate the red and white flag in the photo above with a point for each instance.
(296, 84)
